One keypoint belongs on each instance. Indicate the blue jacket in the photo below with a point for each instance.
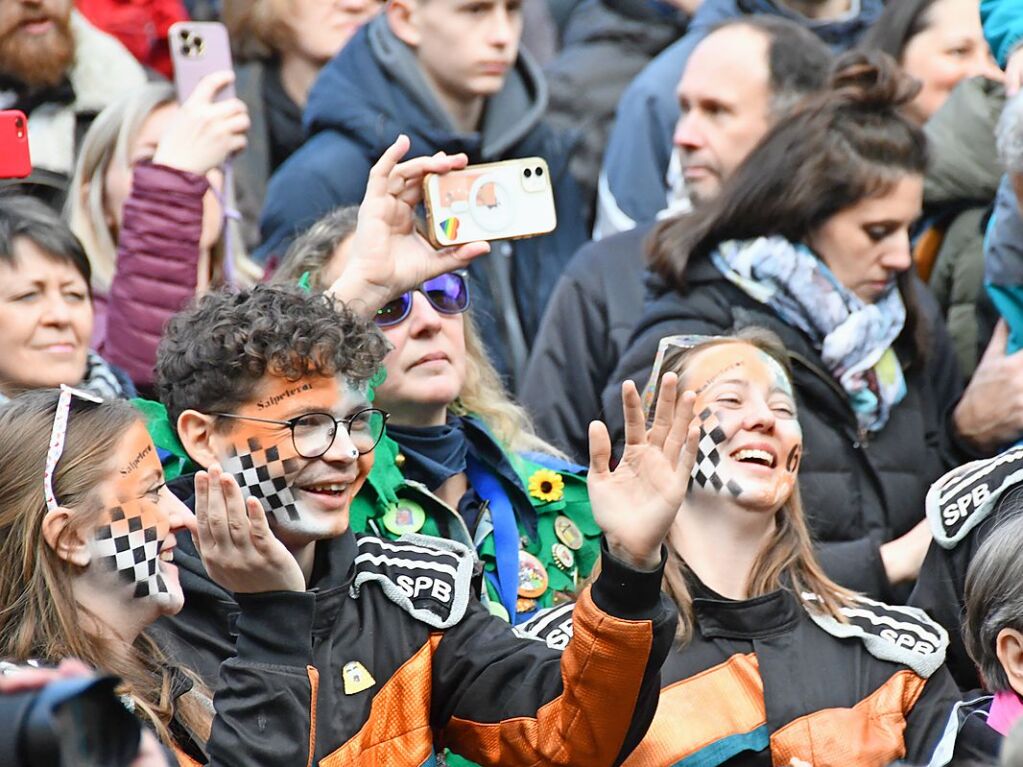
(632, 187)
(374, 90)
(1003, 26)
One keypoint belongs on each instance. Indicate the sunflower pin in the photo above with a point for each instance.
(546, 485)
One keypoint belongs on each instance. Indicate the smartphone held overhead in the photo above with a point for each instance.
(15, 160)
(198, 49)
(506, 200)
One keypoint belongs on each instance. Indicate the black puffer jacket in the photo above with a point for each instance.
(857, 492)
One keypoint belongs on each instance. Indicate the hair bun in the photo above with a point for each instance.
(872, 80)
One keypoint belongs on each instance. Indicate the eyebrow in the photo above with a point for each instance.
(744, 383)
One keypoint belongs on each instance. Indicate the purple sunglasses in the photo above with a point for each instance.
(448, 294)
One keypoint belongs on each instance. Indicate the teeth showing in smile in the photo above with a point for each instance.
(167, 556)
(761, 457)
(333, 487)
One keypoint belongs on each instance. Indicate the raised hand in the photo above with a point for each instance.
(388, 257)
(205, 132)
(990, 413)
(636, 503)
(238, 548)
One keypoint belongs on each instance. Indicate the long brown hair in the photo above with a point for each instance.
(848, 144)
(787, 560)
(39, 615)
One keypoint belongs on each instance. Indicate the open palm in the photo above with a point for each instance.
(636, 503)
(388, 257)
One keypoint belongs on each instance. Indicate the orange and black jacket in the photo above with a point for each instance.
(766, 680)
(389, 658)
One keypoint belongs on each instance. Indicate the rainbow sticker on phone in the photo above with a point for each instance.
(449, 227)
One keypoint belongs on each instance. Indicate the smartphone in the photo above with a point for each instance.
(15, 161)
(199, 48)
(506, 200)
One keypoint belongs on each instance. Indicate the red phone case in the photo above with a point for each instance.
(15, 161)
(199, 48)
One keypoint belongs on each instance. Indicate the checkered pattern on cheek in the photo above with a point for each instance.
(706, 470)
(264, 475)
(133, 551)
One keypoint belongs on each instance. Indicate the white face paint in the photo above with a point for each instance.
(750, 440)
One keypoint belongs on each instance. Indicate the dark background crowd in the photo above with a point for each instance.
(823, 195)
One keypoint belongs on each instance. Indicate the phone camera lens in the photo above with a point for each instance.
(539, 171)
(19, 123)
(527, 173)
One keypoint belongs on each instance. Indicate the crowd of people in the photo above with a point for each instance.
(723, 470)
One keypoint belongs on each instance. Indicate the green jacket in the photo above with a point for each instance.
(387, 489)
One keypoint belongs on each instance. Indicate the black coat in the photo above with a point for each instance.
(857, 492)
(587, 326)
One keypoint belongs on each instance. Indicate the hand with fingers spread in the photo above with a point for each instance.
(990, 413)
(238, 549)
(388, 257)
(205, 132)
(636, 503)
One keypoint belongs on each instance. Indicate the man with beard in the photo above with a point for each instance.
(61, 72)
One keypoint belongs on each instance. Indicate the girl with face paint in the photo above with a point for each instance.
(87, 534)
(774, 662)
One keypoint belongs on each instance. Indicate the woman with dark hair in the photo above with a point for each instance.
(46, 313)
(810, 238)
(938, 42)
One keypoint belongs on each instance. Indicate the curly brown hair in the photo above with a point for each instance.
(215, 353)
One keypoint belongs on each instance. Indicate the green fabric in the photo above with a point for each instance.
(165, 437)
(386, 484)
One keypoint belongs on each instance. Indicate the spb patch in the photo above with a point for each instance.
(428, 577)
(553, 626)
(967, 495)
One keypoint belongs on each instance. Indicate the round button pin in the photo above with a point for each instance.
(568, 532)
(533, 579)
(404, 517)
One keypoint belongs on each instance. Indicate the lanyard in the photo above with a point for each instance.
(506, 531)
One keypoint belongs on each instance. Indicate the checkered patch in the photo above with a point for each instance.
(263, 474)
(708, 457)
(132, 551)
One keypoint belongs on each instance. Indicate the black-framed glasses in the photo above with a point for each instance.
(313, 433)
(448, 294)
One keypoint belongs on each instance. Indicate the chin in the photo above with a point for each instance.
(311, 527)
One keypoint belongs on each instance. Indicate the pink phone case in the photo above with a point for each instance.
(199, 48)
(14, 156)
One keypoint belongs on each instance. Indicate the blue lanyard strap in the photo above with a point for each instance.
(506, 531)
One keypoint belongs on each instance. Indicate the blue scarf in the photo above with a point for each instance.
(854, 338)
(433, 454)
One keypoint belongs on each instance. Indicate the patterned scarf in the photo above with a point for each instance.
(854, 338)
(99, 379)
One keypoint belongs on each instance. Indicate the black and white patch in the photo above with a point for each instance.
(263, 474)
(133, 551)
(967, 495)
(430, 578)
(708, 456)
(552, 626)
(899, 634)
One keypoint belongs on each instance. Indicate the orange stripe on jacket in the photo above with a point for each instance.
(184, 760)
(727, 699)
(609, 663)
(870, 733)
(398, 729)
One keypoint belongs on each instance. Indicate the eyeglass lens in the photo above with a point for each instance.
(314, 433)
(448, 294)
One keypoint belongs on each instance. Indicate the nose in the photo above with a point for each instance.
(759, 416)
(985, 65)
(688, 136)
(501, 27)
(342, 450)
(424, 321)
(179, 516)
(899, 257)
(56, 310)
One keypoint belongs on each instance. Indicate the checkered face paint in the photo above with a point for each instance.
(130, 546)
(263, 474)
(750, 440)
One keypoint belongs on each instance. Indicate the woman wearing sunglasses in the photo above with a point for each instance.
(460, 459)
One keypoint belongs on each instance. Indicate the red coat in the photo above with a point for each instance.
(157, 266)
(141, 25)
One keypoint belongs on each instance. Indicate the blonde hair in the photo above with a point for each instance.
(109, 140)
(483, 393)
(787, 560)
(39, 616)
